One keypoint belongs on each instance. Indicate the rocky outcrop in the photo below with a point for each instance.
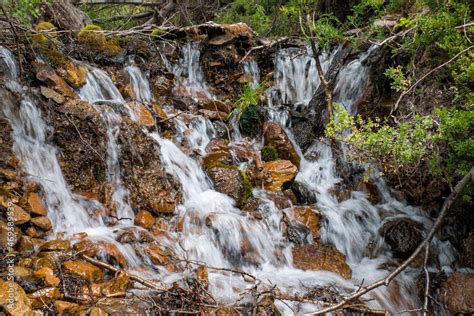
(321, 257)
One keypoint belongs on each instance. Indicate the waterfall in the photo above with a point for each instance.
(189, 73)
(250, 68)
(39, 162)
(8, 65)
(99, 87)
(139, 83)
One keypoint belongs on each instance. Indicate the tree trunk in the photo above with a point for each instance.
(65, 15)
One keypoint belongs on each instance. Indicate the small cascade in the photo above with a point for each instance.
(139, 82)
(8, 65)
(250, 68)
(39, 162)
(352, 81)
(99, 87)
(190, 74)
(296, 76)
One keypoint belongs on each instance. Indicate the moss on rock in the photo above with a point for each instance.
(92, 36)
(43, 38)
(269, 153)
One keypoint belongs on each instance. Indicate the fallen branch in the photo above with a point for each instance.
(427, 74)
(425, 243)
(279, 41)
(133, 277)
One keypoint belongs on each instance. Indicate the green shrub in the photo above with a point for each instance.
(269, 153)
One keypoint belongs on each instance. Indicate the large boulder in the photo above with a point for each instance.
(457, 293)
(278, 172)
(85, 270)
(232, 181)
(277, 138)
(321, 257)
(403, 235)
(217, 152)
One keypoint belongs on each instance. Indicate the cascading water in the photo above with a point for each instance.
(99, 87)
(139, 83)
(250, 68)
(189, 73)
(8, 64)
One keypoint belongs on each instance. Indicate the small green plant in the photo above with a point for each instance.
(399, 82)
(269, 153)
(250, 121)
(26, 11)
(250, 95)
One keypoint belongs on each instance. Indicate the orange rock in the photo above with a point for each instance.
(144, 219)
(47, 74)
(87, 247)
(44, 296)
(159, 256)
(84, 269)
(21, 305)
(67, 308)
(52, 95)
(277, 173)
(116, 286)
(42, 222)
(309, 217)
(142, 115)
(203, 276)
(321, 257)
(56, 245)
(19, 215)
(159, 111)
(113, 252)
(47, 274)
(96, 311)
(276, 137)
(36, 205)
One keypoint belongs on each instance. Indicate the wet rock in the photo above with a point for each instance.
(36, 205)
(221, 129)
(371, 190)
(116, 286)
(203, 276)
(159, 256)
(113, 253)
(304, 195)
(47, 74)
(21, 304)
(277, 173)
(310, 218)
(25, 245)
(321, 257)
(67, 308)
(87, 247)
(217, 152)
(277, 138)
(232, 181)
(85, 270)
(216, 105)
(402, 235)
(123, 306)
(33, 232)
(213, 115)
(5, 239)
(298, 233)
(52, 95)
(44, 297)
(141, 114)
(56, 245)
(47, 274)
(42, 222)
(98, 312)
(457, 293)
(144, 219)
(280, 199)
(19, 215)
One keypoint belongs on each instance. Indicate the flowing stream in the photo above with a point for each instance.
(214, 230)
